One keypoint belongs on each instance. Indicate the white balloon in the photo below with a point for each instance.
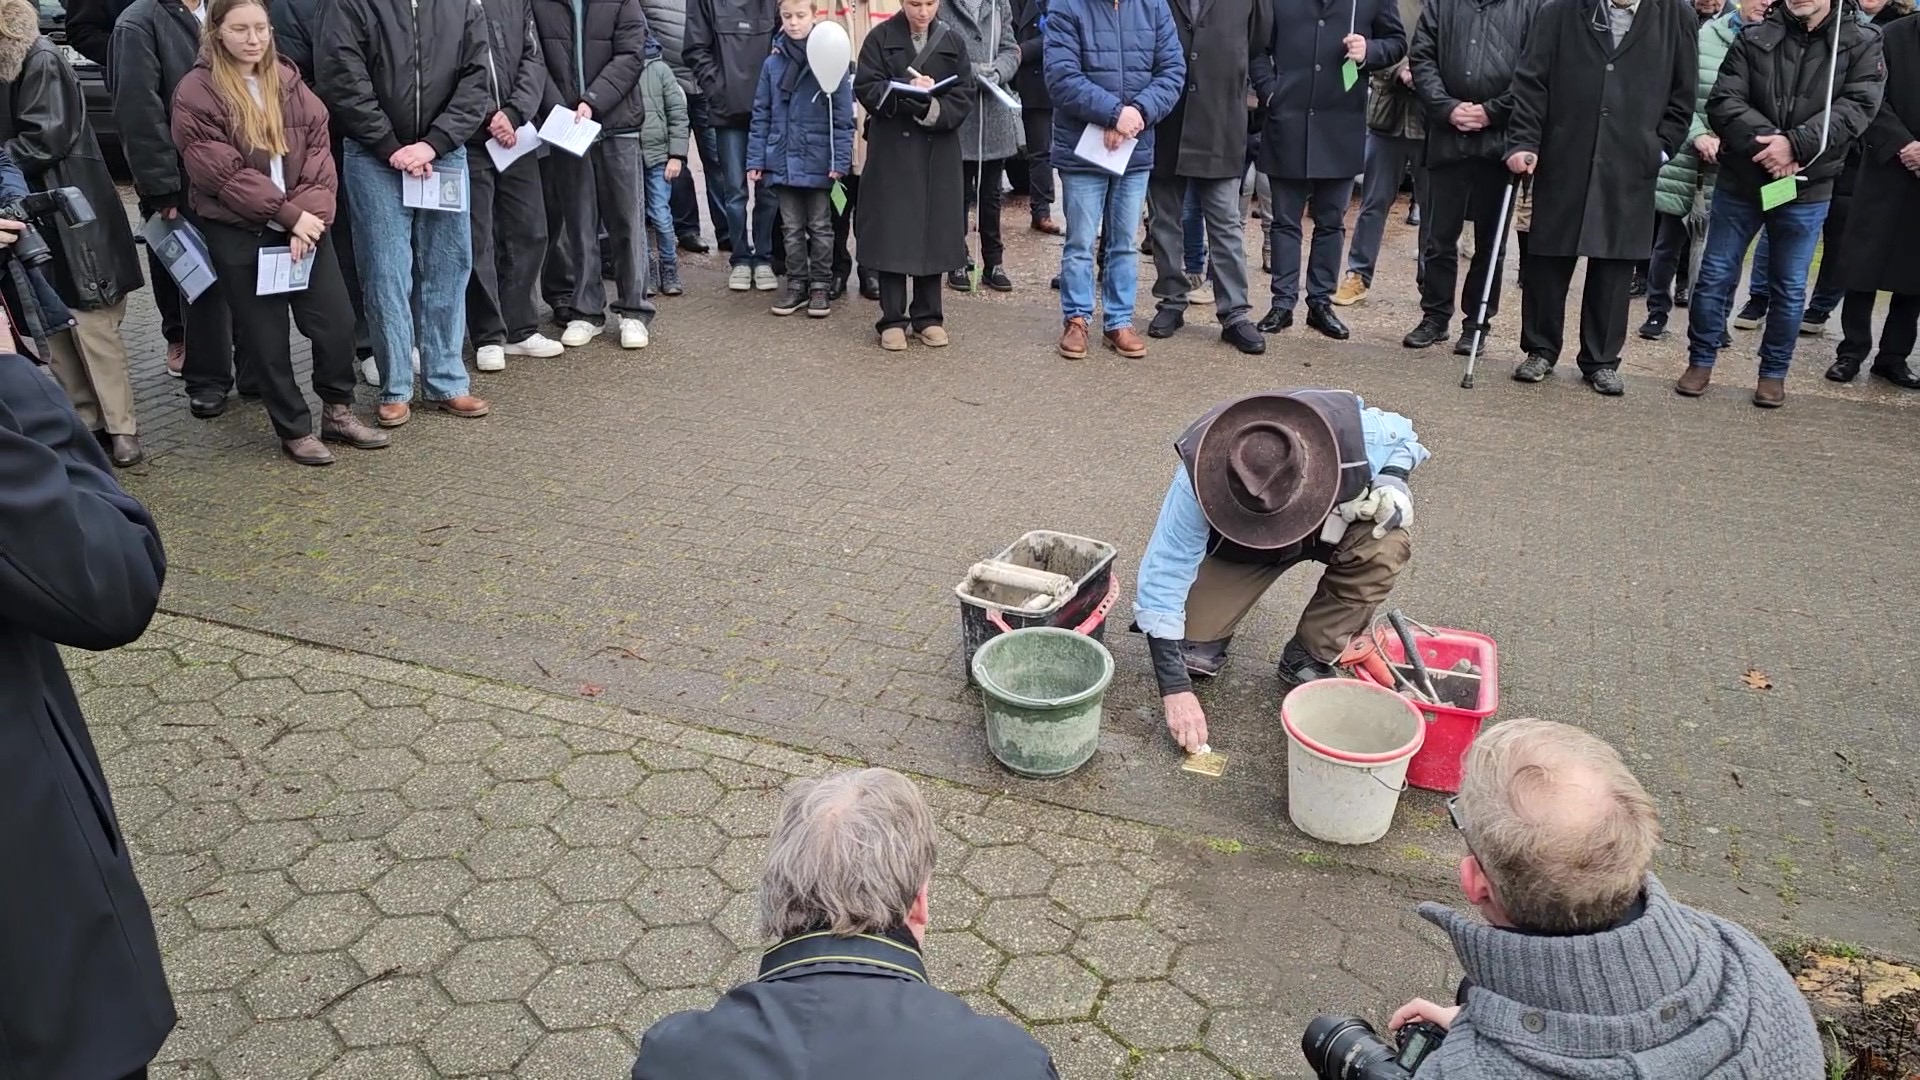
(829, 52)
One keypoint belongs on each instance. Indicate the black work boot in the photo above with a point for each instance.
(1297, 665)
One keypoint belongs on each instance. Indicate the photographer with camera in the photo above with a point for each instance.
(94, 267)
(1585, 967)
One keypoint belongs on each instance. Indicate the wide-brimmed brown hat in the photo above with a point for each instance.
(1266, 471)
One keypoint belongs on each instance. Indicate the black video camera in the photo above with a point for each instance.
(60, 206)
(1346, 1048)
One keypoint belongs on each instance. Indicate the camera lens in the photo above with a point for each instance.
(1344, 1048)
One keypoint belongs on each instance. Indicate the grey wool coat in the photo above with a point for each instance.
(992, 131)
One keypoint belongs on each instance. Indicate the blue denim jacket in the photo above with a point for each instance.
(1180, 537)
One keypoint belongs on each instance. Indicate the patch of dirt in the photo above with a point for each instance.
(1869, 1010)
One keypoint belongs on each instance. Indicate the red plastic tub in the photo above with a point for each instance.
(1450, 728)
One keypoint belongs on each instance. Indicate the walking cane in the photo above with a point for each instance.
(1493, 276)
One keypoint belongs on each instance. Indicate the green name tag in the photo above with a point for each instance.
(837, 195)
(1349, 74)
(1779, 193)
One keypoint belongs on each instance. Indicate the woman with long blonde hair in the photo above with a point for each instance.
(260, 177)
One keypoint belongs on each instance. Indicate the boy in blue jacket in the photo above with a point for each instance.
(801, 143)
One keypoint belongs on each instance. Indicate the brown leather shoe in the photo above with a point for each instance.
(1073, 340)
(934, 337)
(125, 450)
(1771, 393)
(393, 414)
(338, 424)
(1693, 382)
(1049, 226)
(465, 406)
(1127, 342)
(307, 450)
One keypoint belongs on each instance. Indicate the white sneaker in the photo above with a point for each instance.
(370, 371)
(740, 279)
(490, 358)
(535, 345)
(764, 280)
(579, 332)
(1200, 293)
(633, 334)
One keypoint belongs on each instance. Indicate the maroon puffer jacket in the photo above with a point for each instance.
(233, 185)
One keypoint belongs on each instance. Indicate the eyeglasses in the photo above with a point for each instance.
(1459, 824)
(248, 33)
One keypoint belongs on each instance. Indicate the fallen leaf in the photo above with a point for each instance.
(592, 690)
(1756, 679)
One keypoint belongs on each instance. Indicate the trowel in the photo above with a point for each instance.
(1206, 761)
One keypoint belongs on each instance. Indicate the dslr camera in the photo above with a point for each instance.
(59, 206)
(1346, 1048)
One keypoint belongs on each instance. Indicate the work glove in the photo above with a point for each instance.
(1391, 505)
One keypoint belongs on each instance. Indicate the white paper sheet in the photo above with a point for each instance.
(998, 91)
(526, 141)
(898, 87)
(443, 188)
(568, 132)
(280, 272)
(183, 251)
(1092, 149)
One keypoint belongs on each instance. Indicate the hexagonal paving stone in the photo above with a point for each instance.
(983, 831)
(1152, 1015)
(593, 740)
(598, 823)
(960, 962)
(747, 813)
(421, 888)
(1069, 850)
(509, 853)
(602, 776)
(657, 1004)
(127, 667)
(533, 758)
(739, 921)
(953, 904)
(1008, 871)
(521, 803)
(269, 845)
(1180, 1065)
(569, 1055)
(293, 1049)
(1123, 949)
(296, 986)
(1083, 1051)
(1253, 1042)
(584, 995)
(241, 900)
(576, 933)
(678, 956)
(741, 863)
(343, 865)
(194, 683)
(673, 897)
(213, 779)
(207, 1022)
(361, 815)
(1027, 925)
(389, 727)
(413, 944)
(504, 908)
(1217, 973)
(469, 741)
(287, 798)
(375, 767)
(258, 697)
(431, 834)
(392, 1010)
(191, 828)
(1047, 988)
(218, 960)
(671, 842)
(380, 1063)
(1098, 891)
(677, 794)
(594, 874)
(305, 751)
(455, 784)
(321, 923)
(481, 1038)
(494, 971)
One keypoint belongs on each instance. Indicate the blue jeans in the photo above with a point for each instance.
(1090, 198)
(1193, 229)
(1792, 232)
(660, 220)
(414, 266)
(1827, 292)
(755, 250)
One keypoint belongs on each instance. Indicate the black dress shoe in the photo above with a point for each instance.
(1243, 336)
(724, 244)
(207, 404)
(1899, 374)
(995, 278)
(1276, 320)
(1055, 283)
(1682, 297)
(869, 285)
(1320, 317)
(125, 451)
(691, 243)
(1165, 324)
(961, 280)
(838, 288)
(1844, 369)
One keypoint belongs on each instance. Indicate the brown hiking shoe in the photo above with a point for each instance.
(466, 406)
(338, 424)
(1353, 289)
(393, 414)
(307, 450)
(1693, 381)
(1073, 340)
(1127, 342)
(1771, 393)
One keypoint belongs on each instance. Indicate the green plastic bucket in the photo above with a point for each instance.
(1042, 687)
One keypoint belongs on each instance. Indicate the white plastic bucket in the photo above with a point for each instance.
(1348, 744)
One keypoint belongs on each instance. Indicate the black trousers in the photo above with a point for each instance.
(806, 223)
(208, 327)
(894, 311)
(1457, 193)
(681, 197)
(321, 311)
(509, 219)
(1672, 257)
(1896, 334)
(1604, 307)
(166, 297)
(982, 186)
(1039, 130)
(342, 236)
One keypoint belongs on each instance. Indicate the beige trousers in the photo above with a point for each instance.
(1360, 573)
(90, 363)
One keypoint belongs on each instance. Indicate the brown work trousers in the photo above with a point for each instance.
(1360, 573)
(90, 364)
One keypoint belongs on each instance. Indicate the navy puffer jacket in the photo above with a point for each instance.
(788, 138)
(1103, 55)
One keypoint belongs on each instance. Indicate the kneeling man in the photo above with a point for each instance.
(1265, 482)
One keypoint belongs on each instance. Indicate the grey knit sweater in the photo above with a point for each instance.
(1676, 994)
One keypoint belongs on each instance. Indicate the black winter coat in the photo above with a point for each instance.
(727, 44)
(90, 27)
(602, 66)
(1774, 81)
(913, 217)
(1602, 120)
(1316, 129)
(1882, 241)
(43, 120)
(395, 72)
(295, 25)
(155, 44)
(516, 73)
(81, 991)
(1030, 82)
(1205, 136)
(1465, 52)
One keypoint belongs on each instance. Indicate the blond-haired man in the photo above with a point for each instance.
(1585, 967)
(843, 992)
